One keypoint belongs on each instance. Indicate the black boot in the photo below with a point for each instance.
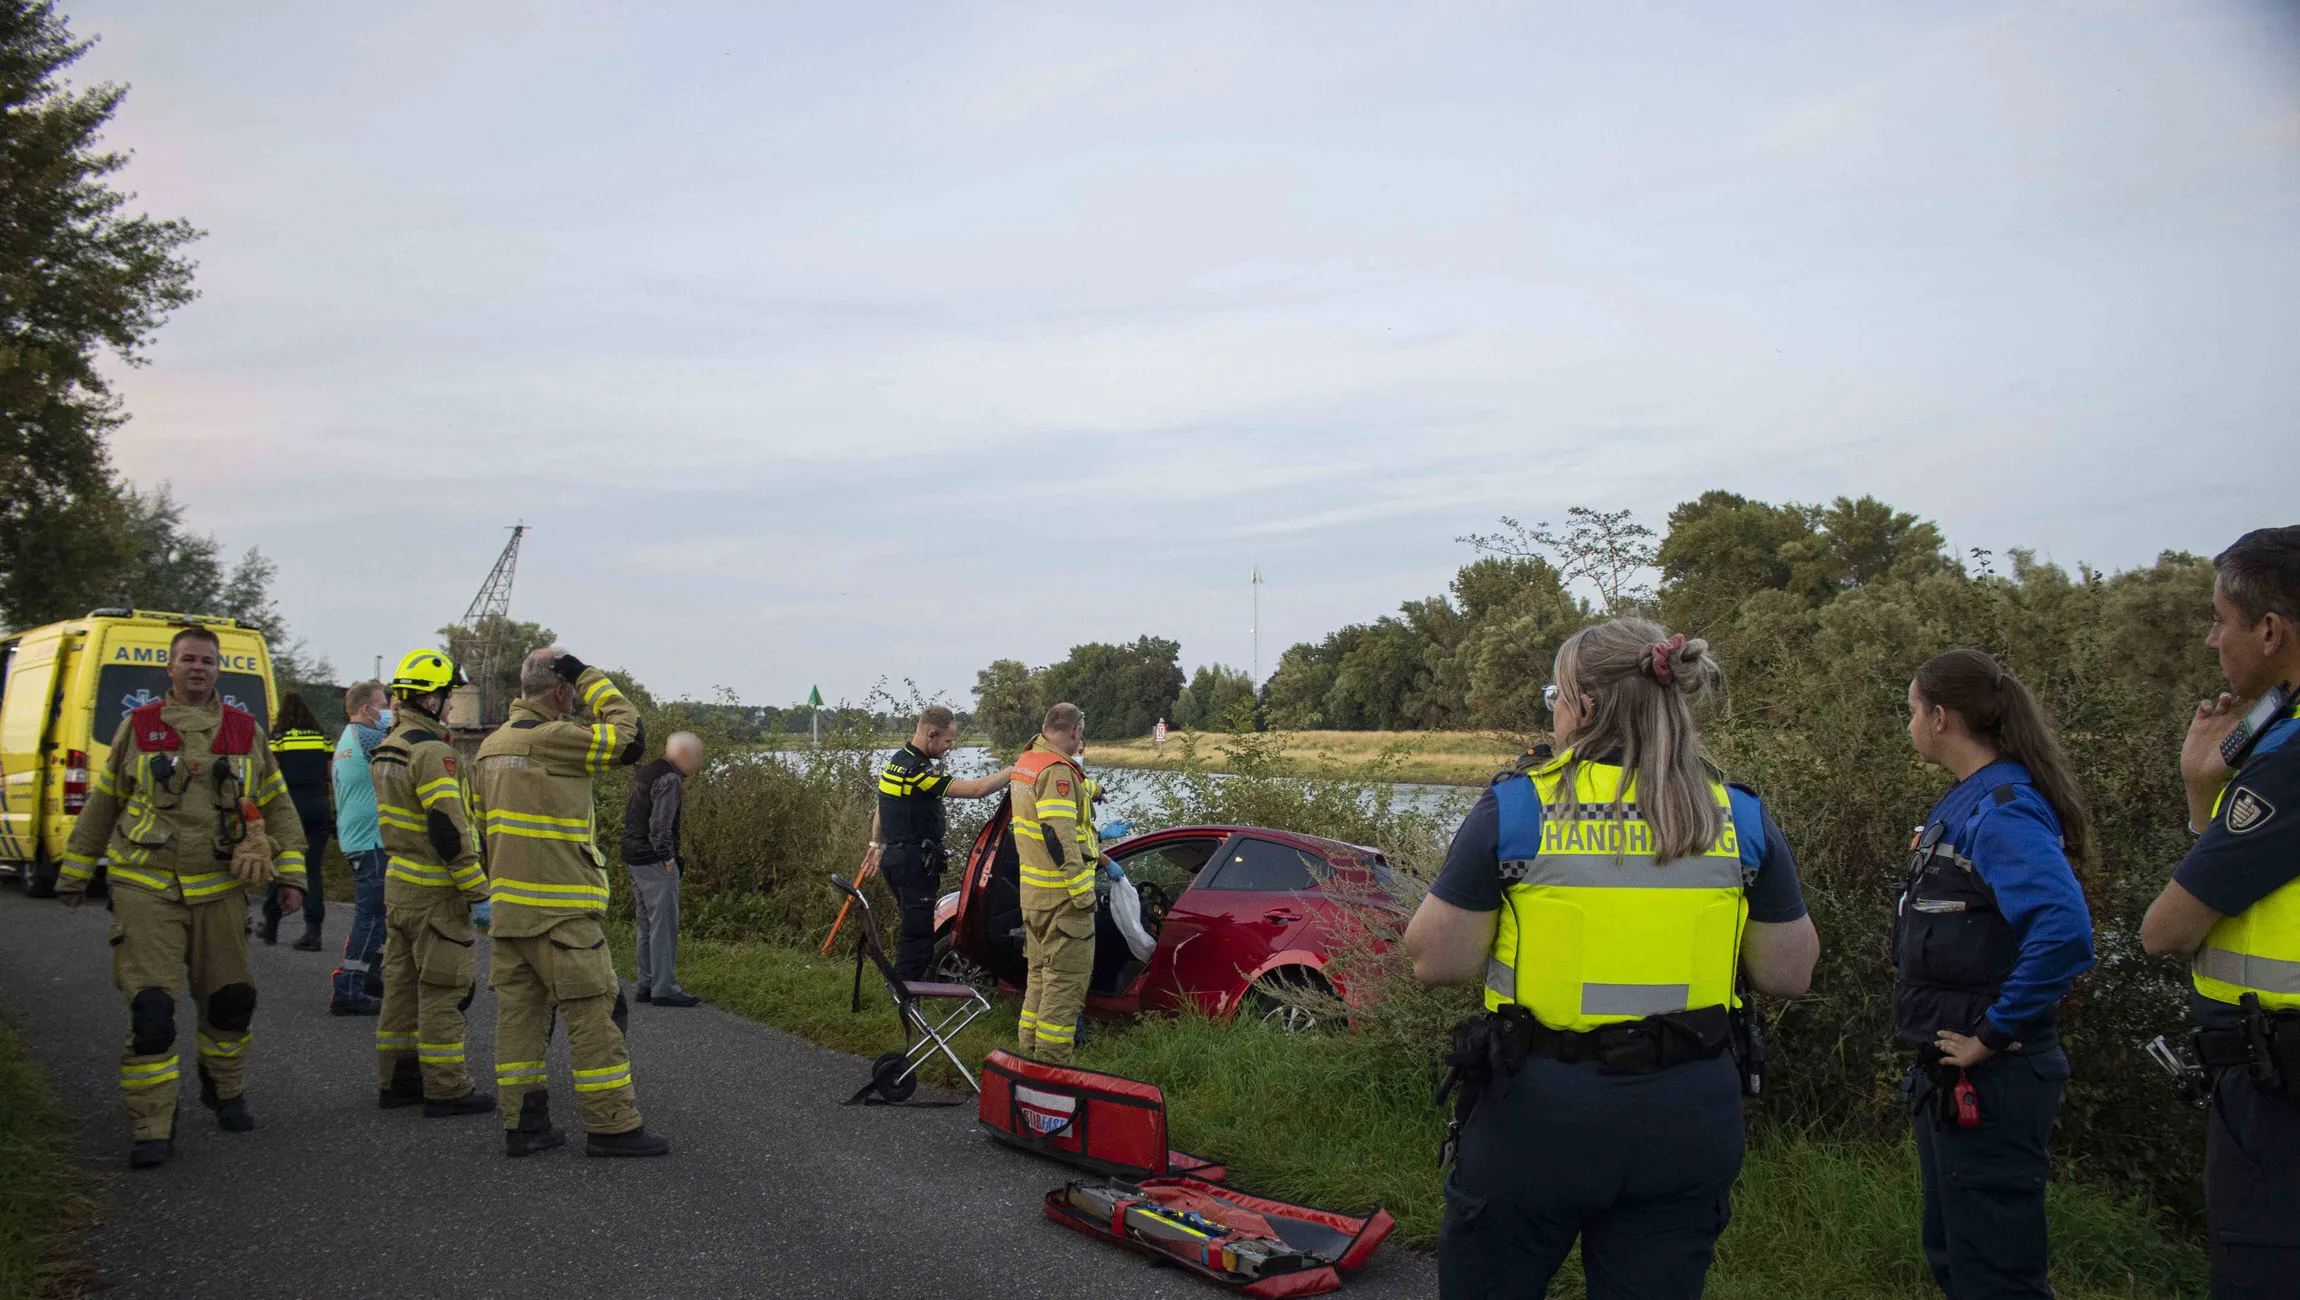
(534, 1132)
(232, 1113)
(474, 1102)
(637, 1142)
(150, 1153)
(269, 931)
(358, 1004)
(406, 1086)
(310, 940)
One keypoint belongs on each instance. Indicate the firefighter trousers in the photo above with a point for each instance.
(428, 968)
(1058, 944)
(156, 943)
(566, 969)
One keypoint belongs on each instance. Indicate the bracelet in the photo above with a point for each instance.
(876, 844)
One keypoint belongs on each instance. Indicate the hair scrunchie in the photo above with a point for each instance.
(1664, 659)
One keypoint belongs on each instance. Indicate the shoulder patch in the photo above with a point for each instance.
(2248, 812)
(1061, 785)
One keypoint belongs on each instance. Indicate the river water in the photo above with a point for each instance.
(1132, 791)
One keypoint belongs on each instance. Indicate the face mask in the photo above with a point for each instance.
(383, 718)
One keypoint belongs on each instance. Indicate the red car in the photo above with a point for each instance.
(1238, 912)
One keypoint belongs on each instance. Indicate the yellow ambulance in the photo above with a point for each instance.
(64, 689)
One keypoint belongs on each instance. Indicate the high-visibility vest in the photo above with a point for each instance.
(1594, 931)
(2258, 949)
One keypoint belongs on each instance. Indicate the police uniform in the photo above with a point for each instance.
(1617, 1116)
(911, 788)
(165, 811)
(303, 757)
(1989, 931)
(548, 886)
(1054, 840)
(431, 878)
(2246, 980)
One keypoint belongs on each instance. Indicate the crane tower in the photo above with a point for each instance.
(487, 622)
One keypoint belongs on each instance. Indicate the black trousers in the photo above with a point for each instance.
(1984, 1187)
(2252, 1189)
(1640, 1167)
(915, 876)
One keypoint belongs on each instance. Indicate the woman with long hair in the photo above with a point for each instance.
(1990, 931)
(1611, 899)
(304, 757)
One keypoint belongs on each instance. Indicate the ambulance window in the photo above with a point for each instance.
(121, 687)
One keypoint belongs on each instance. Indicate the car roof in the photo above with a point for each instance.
(1320, 844)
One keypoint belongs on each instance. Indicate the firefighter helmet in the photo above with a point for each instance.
(423, 671)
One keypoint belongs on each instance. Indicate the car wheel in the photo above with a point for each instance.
(1272, 1001)
(951, 966)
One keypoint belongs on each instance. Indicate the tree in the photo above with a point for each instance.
(79, 277)
(1124, 689)
(1007, 704)
(1608, 549)
(1215, 693)
(510, 640)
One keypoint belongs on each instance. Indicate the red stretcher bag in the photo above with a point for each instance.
(1096, 1121)
(1251, 1244)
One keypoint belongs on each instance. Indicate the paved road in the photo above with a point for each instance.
(773, 1188)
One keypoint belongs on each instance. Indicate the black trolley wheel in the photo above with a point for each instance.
(886, 1075)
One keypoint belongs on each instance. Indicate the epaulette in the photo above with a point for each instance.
(415, 738)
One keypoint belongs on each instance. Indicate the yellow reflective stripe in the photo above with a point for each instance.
(148, 879)
(468, 875)
(292, 860)
(1058, 810)
(518, 1072)
(603, 1078)
(272, 788)
(591, 900)
(439, 1051)
(521, 832)
(104, 784)
(1030, 831)
(415, 873)
(495, 815)
(406, 819)
(598, 691)
(1055, 1033)
(207, 883)
(603, 746)
(430, 792)
(134, 855)
(1028, 1019)
(222, 1047)
(391, 1041)
(144, 1076)
(80, 859)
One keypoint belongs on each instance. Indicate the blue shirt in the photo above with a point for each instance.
(1471, 876)
(2016, 847)
(355, 826)
(2228, 869)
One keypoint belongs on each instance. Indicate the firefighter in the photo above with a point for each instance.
(169, 811)
(2232, 909)
(1054, 838)
(432, 884)
(534, 797)
(906, 829)
(1610, 900)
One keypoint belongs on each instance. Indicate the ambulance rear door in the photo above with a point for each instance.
(27, 709)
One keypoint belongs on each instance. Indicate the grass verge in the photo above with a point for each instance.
(1330, 1120)
(1422, 757)
(44, 1205)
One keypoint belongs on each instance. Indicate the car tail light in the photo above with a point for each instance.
(75, 780)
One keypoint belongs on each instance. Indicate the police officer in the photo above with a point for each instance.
(432, 884)
(2233, 909)
(906, 829)
(168, 813)
(548, 885)
(1990, 930)
(1054, 840)
(1609, 911)
(303, 755)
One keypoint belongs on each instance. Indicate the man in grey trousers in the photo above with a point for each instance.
(651, 822)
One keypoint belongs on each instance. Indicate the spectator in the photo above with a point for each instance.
(651, 851)
(301, 752)
(359, 981)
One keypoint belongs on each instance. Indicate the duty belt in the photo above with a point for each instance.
(1488, 1049)
(2267, 1044)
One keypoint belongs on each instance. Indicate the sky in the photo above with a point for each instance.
(826, 345)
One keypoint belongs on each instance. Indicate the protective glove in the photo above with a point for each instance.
(483, 913)
(252, 856)
(1117, 828)
(568, 667)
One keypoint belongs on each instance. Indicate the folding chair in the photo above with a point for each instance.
(894, 1075)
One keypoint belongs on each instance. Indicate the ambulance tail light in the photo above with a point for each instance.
(75, 780)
